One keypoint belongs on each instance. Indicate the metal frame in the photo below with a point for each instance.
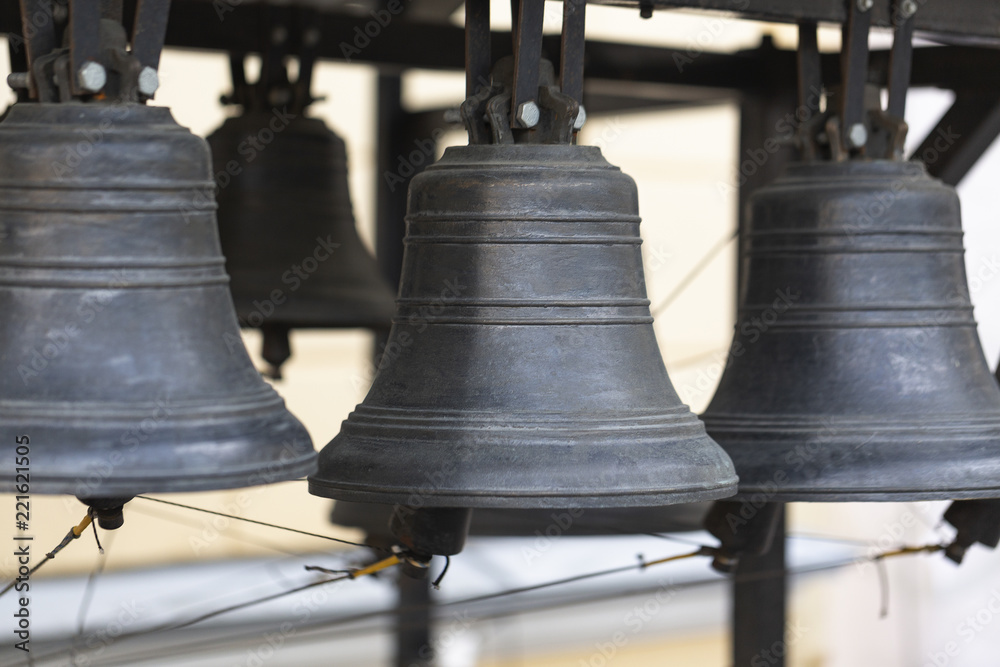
(974, 73)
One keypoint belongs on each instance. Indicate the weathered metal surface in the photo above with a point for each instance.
(287, 227)
(856, 372)
(522, 370)
(121, 355)
(373, 519)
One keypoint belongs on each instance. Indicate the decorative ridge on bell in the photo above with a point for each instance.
(522, 284)
(862, 377)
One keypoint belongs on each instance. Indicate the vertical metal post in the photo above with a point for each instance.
(413, 623)
(758, 612)
(390, 194)
(764, 117)
(759, 606)
(398, 131)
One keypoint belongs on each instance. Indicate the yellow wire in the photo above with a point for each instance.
(699, 552)
(376, 567)
(929, 548)
(78, 531)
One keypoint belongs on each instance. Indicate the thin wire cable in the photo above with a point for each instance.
(324, 626)
(829, 538)
(354, 574)
(230, 535)
(437, 582)
(88, 591)
(245, 605)
(260, 523)
(374, 568)
(695, 272)
(74, 533)
(674, 538)
(883, 588)
(642, 565)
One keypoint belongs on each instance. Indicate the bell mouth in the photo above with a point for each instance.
(162, 448)
(506, 463)
(373, 519)
(862, 459)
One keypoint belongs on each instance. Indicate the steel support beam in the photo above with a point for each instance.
(962, 135)
(759, 606)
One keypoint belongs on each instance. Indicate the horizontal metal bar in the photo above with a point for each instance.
(976, 20)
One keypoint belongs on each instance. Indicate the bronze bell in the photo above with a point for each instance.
(856, 373)
(120, 355)
(287, 230)
(522, 370)
(374, 519)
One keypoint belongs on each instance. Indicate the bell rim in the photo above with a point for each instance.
(693, 468)
(846, 495)
(521, 500)
(175, 481)
(520, 522)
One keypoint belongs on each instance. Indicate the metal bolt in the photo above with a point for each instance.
(149, 81)
(857, 135)
(92, 76)
(17, 80)
(865, 5)
(581, 118)
(279, 35)
(528, 114)
(908, 8)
